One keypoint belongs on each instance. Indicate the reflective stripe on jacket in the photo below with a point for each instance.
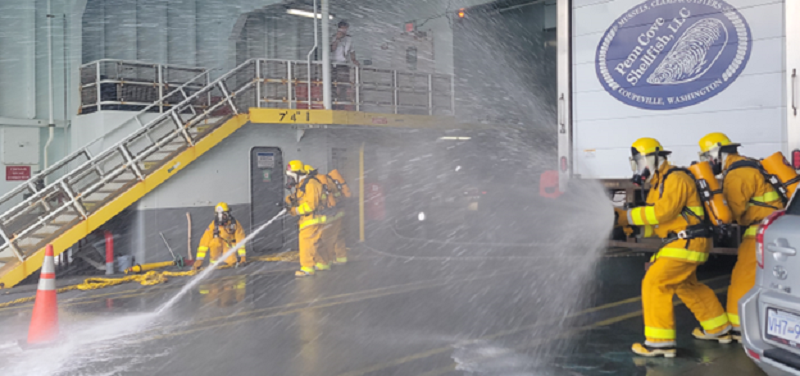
(670, 211)
(309, 198)
(745, 190)
(666, 211)
(228, 239)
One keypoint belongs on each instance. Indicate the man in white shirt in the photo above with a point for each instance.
(343, 53)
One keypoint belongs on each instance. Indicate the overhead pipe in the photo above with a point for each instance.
(326, 55)
(308, 58)
(51, 125)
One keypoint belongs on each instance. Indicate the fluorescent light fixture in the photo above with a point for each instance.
(305, 13)
(454, 138)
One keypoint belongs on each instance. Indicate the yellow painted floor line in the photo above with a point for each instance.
(569, 333)
(639, 298)
(130, 293)
(445, 349)
(440, 371)
(371, 293)
(247, 316)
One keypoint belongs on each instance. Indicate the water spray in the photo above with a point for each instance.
(197, 279)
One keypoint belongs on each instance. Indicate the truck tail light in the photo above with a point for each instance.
(796, 159)
(564, 164)
(760, 235)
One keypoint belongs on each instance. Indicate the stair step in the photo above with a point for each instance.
(96, 196)
(44, 232)
(161, 155)
(199, 129)
(172, 146)
(115, 184)
(6, 260)
(124, 177)
(112, 186)
(7, 256)
(66, 216)
(156, 157)
(27, 243)
(90, 205)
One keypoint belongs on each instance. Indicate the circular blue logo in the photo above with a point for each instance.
(670, 54)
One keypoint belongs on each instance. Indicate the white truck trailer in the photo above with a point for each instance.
(673, 70)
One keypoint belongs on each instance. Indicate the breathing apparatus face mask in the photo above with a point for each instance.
(222, 217)
(291, 181)
(293, 177)
(640, 168)
(714, 158)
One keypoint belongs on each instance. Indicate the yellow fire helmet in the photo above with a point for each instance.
(648, 146)
(222, 207)
(308, 168)
(714, 140)
(295, 166)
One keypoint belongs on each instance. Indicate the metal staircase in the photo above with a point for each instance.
(75, 196)
(69, 200)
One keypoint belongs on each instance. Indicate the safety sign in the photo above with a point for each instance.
(265, 160)
(18, 173)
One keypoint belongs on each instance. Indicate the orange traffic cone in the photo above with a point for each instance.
(44, 322)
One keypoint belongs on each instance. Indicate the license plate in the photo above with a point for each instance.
(783, 327)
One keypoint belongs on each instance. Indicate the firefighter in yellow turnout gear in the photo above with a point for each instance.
(222, 235)
(307, 202)
(341, 192)
(751, 199)
(335, 251)
(673, 212)
(328, 209)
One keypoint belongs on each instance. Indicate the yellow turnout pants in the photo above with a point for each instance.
(325, 255)
(339, 248)
(675, 272)
(310, 241)
(743, 278)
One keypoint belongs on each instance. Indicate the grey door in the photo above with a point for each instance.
(266, 197)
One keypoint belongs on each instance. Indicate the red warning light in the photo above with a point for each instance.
(796, 159)
(461, 13)
(564, 164)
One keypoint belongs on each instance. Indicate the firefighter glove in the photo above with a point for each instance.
(633, 231)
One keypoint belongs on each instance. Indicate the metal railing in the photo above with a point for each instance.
(286, 84)
(85, 153)
(71, 190)
(110, 84)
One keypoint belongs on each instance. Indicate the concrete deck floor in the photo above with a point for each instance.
(425, 309)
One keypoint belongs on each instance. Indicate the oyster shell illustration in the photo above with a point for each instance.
(688, 59)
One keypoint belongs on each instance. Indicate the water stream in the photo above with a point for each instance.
(204, 274)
